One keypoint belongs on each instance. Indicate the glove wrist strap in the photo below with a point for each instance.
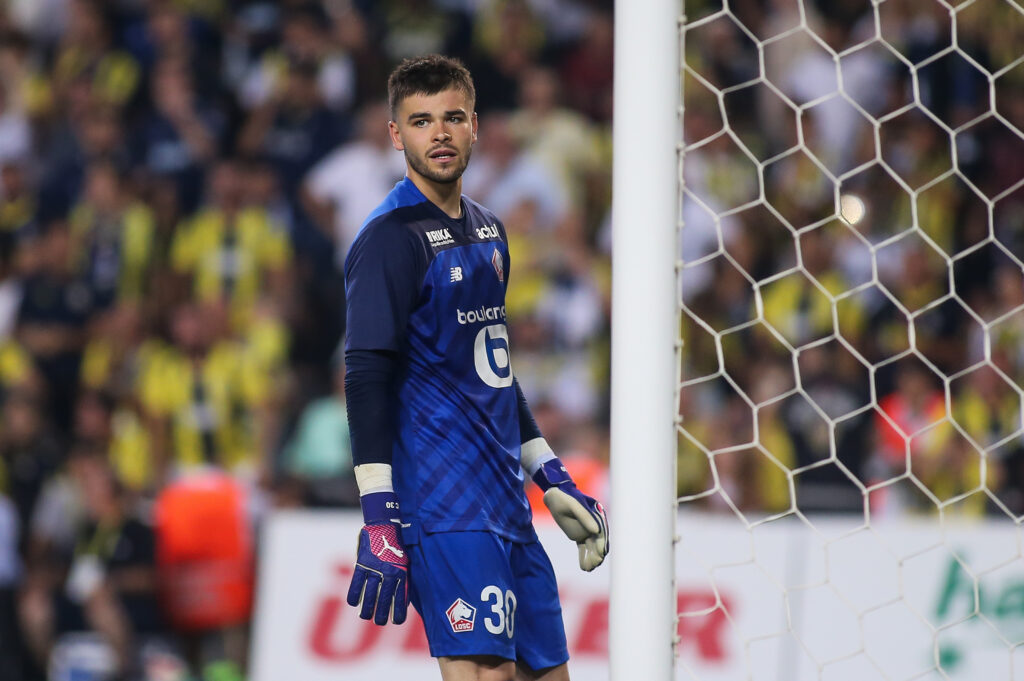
(534, 454)
(380, 507)
(552, 473)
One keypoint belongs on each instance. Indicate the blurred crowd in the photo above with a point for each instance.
(179, 183)
(853, 233)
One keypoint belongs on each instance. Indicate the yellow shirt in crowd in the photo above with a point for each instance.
(228, 259)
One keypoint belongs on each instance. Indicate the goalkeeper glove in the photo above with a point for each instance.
(380, 585)
(581, 518)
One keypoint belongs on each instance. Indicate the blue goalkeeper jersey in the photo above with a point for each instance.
(432, 289)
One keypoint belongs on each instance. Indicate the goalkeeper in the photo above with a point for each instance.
(441, 432)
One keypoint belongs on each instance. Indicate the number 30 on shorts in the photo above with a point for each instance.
(504, 609)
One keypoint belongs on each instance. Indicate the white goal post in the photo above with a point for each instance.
(644, 314)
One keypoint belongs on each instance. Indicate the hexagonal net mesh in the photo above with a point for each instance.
(851, 288)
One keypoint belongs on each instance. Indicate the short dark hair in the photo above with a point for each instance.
(428, 75)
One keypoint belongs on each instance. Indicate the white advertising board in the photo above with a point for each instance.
(780, 602)
(305, 630)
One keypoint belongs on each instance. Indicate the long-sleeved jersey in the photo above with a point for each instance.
(431, 289)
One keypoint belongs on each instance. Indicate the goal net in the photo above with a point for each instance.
(850, 348)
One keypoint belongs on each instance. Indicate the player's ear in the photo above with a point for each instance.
(396, 136)
(475, 125)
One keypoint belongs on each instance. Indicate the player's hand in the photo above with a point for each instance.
(380, 584)
(581, 517)
(583, 520)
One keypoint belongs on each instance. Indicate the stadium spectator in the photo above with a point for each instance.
(166, 31)
(512, 180)
(508, 38)
(53, 317)
(318, 456)
(796, 307)
(831, 379)
(123, 548)
(44, 608)
(262, 192)
(905, 423)
(341, 190)
(207, 399)
(230, 253)
(111, 359)
(84, 132)
(109, 419)
(180, 134)
(106, 582)
(87, 53)
(294, 127)
(305, 39)
(112, 237)
(408, 29)
(560, 138)
(356, 35)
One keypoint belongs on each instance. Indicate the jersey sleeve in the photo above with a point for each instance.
(384, 272)
(368, 379)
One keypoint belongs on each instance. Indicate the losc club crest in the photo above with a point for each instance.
(461, 616)
(499, 265)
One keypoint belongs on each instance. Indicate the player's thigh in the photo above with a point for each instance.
(539, 631)
(477, 668)
(558, 673)
(462, 585)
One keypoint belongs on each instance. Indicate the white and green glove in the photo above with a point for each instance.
(581, 517)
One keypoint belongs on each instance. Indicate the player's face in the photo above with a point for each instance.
(437, 133)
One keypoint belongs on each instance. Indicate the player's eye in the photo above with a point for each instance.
(421, 123)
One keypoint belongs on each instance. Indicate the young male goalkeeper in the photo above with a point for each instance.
(441, 432)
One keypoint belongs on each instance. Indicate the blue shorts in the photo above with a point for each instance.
(480, 594)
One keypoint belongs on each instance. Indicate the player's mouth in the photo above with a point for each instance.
(443, 155)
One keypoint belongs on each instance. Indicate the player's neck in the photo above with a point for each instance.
(445, 195)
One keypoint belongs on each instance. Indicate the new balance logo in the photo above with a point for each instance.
(456, 274)
(439, 237)
(399, 553)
